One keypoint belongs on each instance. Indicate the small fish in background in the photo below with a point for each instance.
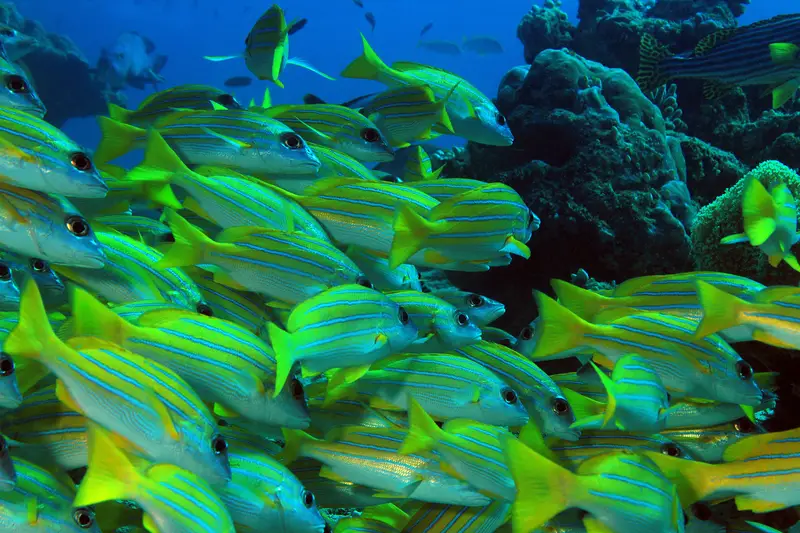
(482, 45)
(440, 47)
(14, 45)
(130, 61)
(371, 19)
(425, 29)
(297, 26)
(359, 3)
(238, 81)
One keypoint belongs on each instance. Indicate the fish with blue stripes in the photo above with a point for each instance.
(481, 309)
(418, 167)
(17, 90)
(592, 443)
(376, 267)
(708, 444)
(438, 518)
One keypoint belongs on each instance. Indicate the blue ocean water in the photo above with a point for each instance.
(185, 30)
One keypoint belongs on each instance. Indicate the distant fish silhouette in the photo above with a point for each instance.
(426, 28)
(359, 3)
(297, 26)
(238, 81)
(482, 45)
(441, 47)
(371, 19)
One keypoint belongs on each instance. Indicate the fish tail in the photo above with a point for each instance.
(92, 318)
(368, 66)
(611, 403)
(110, 476)
(285, 355)
(720, 310)
(33, 337)
(584, 303)
(190, 243)
(294, 439)
(117, 139)
(560, 328)
(410, 232)
(583, 406)
(160, 160)
(296, 61)
(119, 113)
(217, 59)
(423, 433)
(444, 119)
(651, 54)
(543, 487)
(532, 437)
(690, 477)
(759, 211)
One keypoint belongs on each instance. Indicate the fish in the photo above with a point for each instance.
(266, 51)
(162, 103)
(243, 308)
(14, 45)
(240, 140)
(376, 269)
(370, 19)
(440, 47)
(425, 29)
(43, 501)
(482, 310)
(770, 221)
(418, 167)
(384, 518)
(441, 325)
(592, 443)
(619, 491)
(135, 226)
(333, 493)
(438, 518)
(285, 267)
(130, 62)
(473, 115)
(541, 396)
(336, 127)
(136, 398)
(765, 52)
(347, 327)
(19, 93)
(9, 290)
(359, 3)
(40, 157)
(482, 45)
(407, 114)
(708, 444)
(370, 457)
(238, 81)
(171, 497)
(464, 389)
(50, 284)
(236, 370)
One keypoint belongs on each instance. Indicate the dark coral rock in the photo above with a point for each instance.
(709, 170)
(543, 27)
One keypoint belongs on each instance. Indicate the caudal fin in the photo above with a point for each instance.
(117, 139)
(160, 160)
(119, 113)
(759, 212)
(33, 337)
(110, 476)
(410, 232)
(368, 66)
(720, 310)
(285, 352)
(558, 331)
(297, 62)
(651, 54)
(190, 243)
(92, 318)
(586, 304)
(423, 433)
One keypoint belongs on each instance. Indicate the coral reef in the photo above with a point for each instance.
(61, 74)
(543, 27)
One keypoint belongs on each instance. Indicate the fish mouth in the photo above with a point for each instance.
(92, 261)
(570, 434)
(95, 189)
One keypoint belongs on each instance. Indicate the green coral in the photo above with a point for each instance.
(723, 217)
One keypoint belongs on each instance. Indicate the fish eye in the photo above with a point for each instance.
(204, 309)
(474, 300)
(701, 512)
(5, 272)
(298, 393)
(308, 499)
(744, 370)
(17, 84)
(6, 364)
(462, 319)
(81, 161)
(671, 449)
(509, 396)
(402, 314)
(8, 32)
(501, 120)
(364, 282)
(292, 141)
(222, 423)
(226, 99)
(38, 265)
(392, 179)
(78, 226)
(526, 334)
(560, 406)
(744, 425)
(371, 135)
(83, 517)
(169, 237)
(219, 445)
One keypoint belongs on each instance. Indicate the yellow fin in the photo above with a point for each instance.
(782, 53)
(110, 476)
(758, 209)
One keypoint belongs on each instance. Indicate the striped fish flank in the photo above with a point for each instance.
(334, 492)
(336, 127)
(445, 188)
(418, 167)
(341, 413)
(707, 444)
(376, 267)
(39, 156)
(242, 308)
(441, 324)
(540, 394)
(163, 103)
(337, 164)
(592, 443)
(446, 386)
(437, 518)
(18, 92)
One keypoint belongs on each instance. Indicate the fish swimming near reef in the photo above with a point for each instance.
(441, 47)
(482, 45)
(764, 53)
(130, 61)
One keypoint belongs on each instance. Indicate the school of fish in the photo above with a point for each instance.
(233, 335)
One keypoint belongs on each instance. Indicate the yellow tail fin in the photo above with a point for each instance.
(110, 476)
(410, 232)
(559, 329)
(117, 139)
(33, 337)
(423, 433)
(694, 479)
(92, 318)
(190, 243)
(759, 212)
(720, 310)
(584, 303)
(119, 113)
(285, 355)
(160, 160)
(368, 66)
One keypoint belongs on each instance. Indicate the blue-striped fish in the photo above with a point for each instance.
(243, 308)
(441, 326)
(18, 92)
(162, 103)
(347, 327)
(35, 224)
(370, 456)
(267, 47)
(446, 386)
(340, 413)
(707, 368)
(10, 272)
(140, 400)
(707, 444)
(418, 167)
(763, 53)
(437, 518)
(445, 188)
(223, 362)
(42, 502)
(337, 127)
(50, 284)
(286, 267)
(173, 499)
(482, 310)
(621, 492)
(593, 443)
(376, 267)
(244, 141)
(472, 114)
(38, 156)
(145, 229)
(540, 395)
(330, 492)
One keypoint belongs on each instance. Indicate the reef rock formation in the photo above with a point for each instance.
(61, 74)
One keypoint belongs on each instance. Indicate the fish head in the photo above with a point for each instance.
(8, 476)
(526, 340)
(454, 327)
(203, 450)
(736, 384)
(482, 310)
(398, 327)
(9, 290)
(553, 415)
(18, 91)
(300, 507)
(368, 143)
(501, 404)
(49, 283)
(10, 395)
(487, 126)
(290, 408)
(118, 58)
(72, 173)
(70, 240)
(288, 153)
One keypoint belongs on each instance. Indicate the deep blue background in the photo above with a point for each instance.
(186, 30)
